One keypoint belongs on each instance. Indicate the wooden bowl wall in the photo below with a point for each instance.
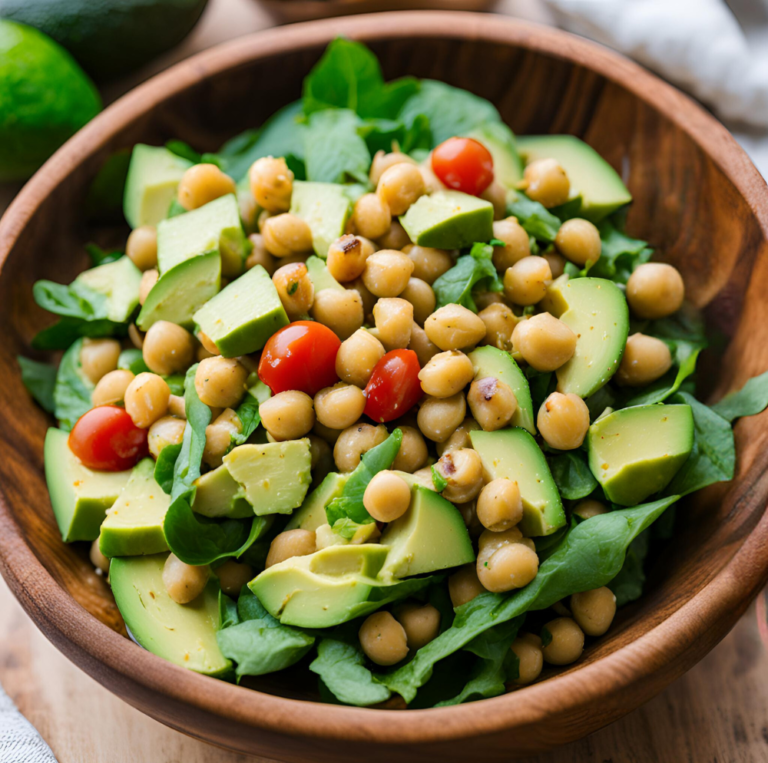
(697, 198)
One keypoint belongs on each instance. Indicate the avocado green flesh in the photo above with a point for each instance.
(134, 524)
(591, 177)
(597, 313)
(513, 454)
(325, 208)
(118, 282)
(430, 536)
(420, 480)
(80, 496)
(153, 177)
(320, 277)
(312, 515)
(635, 452)
(184, 634)
(500, 142)
(491, 361)
(219, 495)
(243, 316)
(449, 220)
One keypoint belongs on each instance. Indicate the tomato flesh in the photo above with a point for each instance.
(463, 164)
(105, 438)
(394, 386)
(300, 356)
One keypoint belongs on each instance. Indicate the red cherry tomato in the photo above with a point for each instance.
(300, 356)
(105, 438)
(394, 386)
(463, 164)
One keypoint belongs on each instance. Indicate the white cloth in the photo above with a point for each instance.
(19, 742)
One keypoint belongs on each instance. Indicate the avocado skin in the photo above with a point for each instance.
(109, 39)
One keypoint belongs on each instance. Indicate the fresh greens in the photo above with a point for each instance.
(455, 285)
(658, 391)
(751, 399)
(165, 466)
(100, 256)
(535, 218)
(248, 415)
(572, 475)
(628, 584)
(335, 152)
(440, 482)
(619, 254)
(40, 380)
(72, 391)
(132, 360)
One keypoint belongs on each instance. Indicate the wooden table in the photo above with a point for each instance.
(717, 712)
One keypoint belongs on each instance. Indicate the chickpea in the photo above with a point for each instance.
(496, 193)
(208, 345)
(346, 258)
(290, 543)
(271, 184)
(546, 182)
(371, 217)
(492, 402)
(579, 241)
(394, 319)
(413, 451)
(567, 642)
(530, 658)
(460, 438)
(354, 441)
(295, 289)
(563, 421)
(589, 508)
(421, 345)
(141, 247)
(288, 415)
(220, 382)
(184, 582)
(368, 300)
(259, 255)
(454, 327)
(324, 433)
(218, 437)
(514, 565)
(439, 418)
(645, 359)
(464, 585)
(382, 161)
(431, 182)
(594, 610)
(556, 263)
(499, 505)
(395, 238)
(655, 290)
(517, 243)
(98, 357)
(446, 374)
(341, 311)
(429, 264)
(168, 348)
(468, 513)
(165, 431)
(110, 389)
(286, 234)
(383, 639)
(490, 542)
(233, 576)
(357, 357)
(387, 273)
(525, 283)
(544, 342)
(148, 280)
(499, 322)
(203, 183)
(146, 399)
(485, 299)
(463, 471)
(177, 407)
(136, 337)
(321, 457)
(340, 406)
(387, 497)
(400, 186)
(419, 293)
(421, 623)
(98, 560)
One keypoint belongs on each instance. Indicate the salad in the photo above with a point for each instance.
(379, 390)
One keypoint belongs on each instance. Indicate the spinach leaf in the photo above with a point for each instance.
(132, 360)
(165, 467)
(39, 379)
(619, 254)
(572, 475)
(535, 218)
(546, 637)
(227, 611)
(751, 399)
(455, 285)
(335, 152)
(72, 391)
(100, 256)
(248, 414)
(63, 333)
(685, 355)
(380, 134)
(627, 586)
(185, 151)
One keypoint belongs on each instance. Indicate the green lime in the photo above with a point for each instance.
(45, 97)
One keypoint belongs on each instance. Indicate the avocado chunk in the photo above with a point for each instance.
(592, 178)
(430, 536)
(325, 207)
(500, 141)
(80, 496)
(320, 276)
(312, 515)
(635, 452)
(421, 479)
(134, 524)
(514, 454)
(491, 361)
(243, 315)
(449, 220)
(597, 313)
(219, 495)
(153, 176)
(275, 476)
(118, 283)
(184, 634)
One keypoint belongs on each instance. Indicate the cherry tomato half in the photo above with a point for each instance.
(105, 438)
(394, 386)
(463, 164)
(302, 356)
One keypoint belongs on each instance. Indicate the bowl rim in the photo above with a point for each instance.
(713, 610)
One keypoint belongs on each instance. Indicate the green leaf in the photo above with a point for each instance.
(546, 637)
(619, 254)
(227, 611)
(750, 400)
(535, 218)
(248, 414)
(100, 256)
(572, 475)
(40, 380)
(335, 152)
(165, 466)
(627, 586)
(184, 150)
(455, 286)
(658, 391)
(132, 360)
(72, 391)
(438, 480)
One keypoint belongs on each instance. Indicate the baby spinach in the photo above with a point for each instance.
(72, 390)
(132, 360)
(572, 475)
(535, 218)
(248, 414)
(40, 380)
(455, 285)
(100, 256)
(751, 399)
(627, 586)
(335, 152)
(619, 255)
(685, 356)
(165, 466)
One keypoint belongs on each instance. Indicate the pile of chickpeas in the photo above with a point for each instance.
(388, 303)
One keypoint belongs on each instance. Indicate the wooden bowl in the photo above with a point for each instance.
(697, 197)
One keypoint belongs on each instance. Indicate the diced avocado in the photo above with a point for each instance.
(150, 187)
(184, 634)
(490, 361)
(514, 454)
(500, 141)
(134, 524)
(179, 293)
(275, 476)
(311, 515)
(635, 452)
(219, 495)
(430, 536)
(319, 275)
(80, 496)
(597, 313)
(118, 282)
(592, 178)
(421, 478)
(326, 536)
(449, 220)
(325, 207)
(243, 315)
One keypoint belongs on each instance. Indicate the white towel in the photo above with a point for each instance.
(19, 742)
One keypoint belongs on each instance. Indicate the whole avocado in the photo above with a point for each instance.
(109, 37)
